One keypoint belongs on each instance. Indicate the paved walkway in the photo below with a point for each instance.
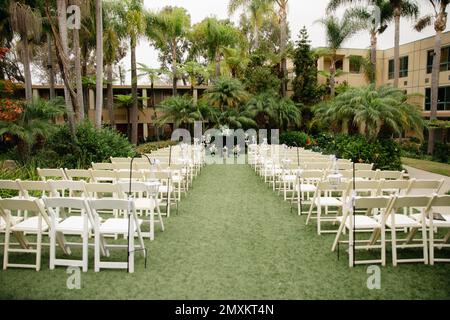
(421, 174)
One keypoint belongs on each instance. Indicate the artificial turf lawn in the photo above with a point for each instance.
(233, 238)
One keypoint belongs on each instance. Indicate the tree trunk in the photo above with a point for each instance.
(174, 69)
(155, 115)
(109, 96)
(84, 50)
(51, 72)
(78, 78)
(283, 43)
(26, 70)
(62, 25)
(373, 55)
(99, 64)
(134, 108)
(217, 58)
(256, 35)
(397, 47)
(332, 77)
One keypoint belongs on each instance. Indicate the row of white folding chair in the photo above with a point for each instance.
(381, 213)
(329, 196)
(81, 224)
(69, 188)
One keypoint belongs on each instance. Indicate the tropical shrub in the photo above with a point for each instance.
(296, 138)
(371, 111)
(384, 153)
(152, 146)
(91, 145)
(226, 93)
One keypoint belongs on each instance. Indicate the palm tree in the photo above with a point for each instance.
(179, 110)
(194, 71)
(236, 60)
(369, 22)
(237, 118)
(210, 37)
(257, 10)
(439, 20)
(34, 121)
(167, 28)
(99, 63)
(226, 93)
(371, 110)
(27, 23)
(152, 74)
(282, 16)
(337, 32)
(126, 101)
(401, 8)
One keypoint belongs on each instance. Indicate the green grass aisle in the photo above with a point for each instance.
(234, 238)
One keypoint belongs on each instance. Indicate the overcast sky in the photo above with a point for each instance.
(301, 13)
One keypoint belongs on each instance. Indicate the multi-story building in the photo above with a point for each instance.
(415, 71)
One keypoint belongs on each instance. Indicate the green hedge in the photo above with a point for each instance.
(296, 138)
(91, 145)
(152, 146)
(384, 153)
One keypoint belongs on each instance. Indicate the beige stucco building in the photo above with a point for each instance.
(415, 71)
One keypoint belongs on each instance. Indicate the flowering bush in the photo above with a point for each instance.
(10, 110)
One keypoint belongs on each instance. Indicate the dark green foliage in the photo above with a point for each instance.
(295, 138)
(259, 77)
(306, 90)
(384, 153)
(441, 152)
(92, 145)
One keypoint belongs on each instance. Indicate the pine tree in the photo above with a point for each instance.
(305, 86)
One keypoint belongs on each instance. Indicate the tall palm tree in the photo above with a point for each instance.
(166, 29)
(27, 23)
(337, 32)
(77, 51)
(210, 37)
(439, 21)
(257, 10)
(99, 63)
(152, 74)
(226, 93)
(282, 14)
(401, 8)
(236, 60)
(369, 22)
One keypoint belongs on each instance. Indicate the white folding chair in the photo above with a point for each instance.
(305, 186)
(328, 195)
(363, 166)
(393, 187)
(395, 221)
(145, 198)
(10, 186)
(68, 188)
(108, 176)
(438, 217)
(424, 186)
(34, 225)
(54, 174)
(390, 175)
(102, 166)
(354, 222)
(73, 225)
(78, 174)
(128, 227)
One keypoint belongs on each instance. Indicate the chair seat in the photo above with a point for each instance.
(328, 201)
(31, 225)
(116, 225)
(288, 178)
(73, 224)
(306, 187)
(145, 203)
(163, 189)
(437, 223)
(14, 220)
(361, 222)
(402, 221)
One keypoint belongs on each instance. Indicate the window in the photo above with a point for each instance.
(404, 61)
(443, 99)
(445, 59)
(339, 64)
(355, 64)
